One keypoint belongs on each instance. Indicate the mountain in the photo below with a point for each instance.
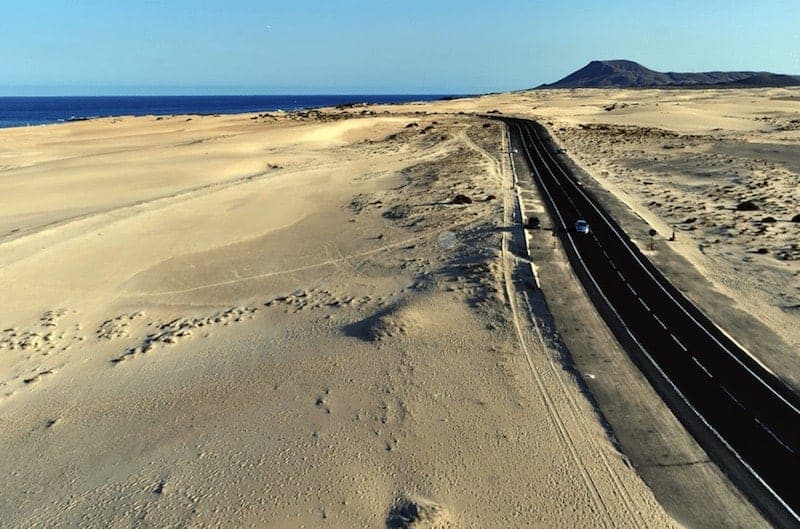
(629, 74)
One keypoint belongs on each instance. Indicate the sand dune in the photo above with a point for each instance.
(283, 321)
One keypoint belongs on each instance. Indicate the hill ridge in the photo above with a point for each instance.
(624, 73)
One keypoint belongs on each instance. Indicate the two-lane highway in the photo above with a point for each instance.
(745, 418)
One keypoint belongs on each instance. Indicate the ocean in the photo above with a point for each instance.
(24, 111)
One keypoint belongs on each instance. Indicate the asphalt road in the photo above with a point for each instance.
(745, 418)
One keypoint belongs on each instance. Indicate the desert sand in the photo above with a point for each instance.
(283, 321)
(286, 320)
(684, 161)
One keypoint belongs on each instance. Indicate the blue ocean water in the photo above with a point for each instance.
(22, 111)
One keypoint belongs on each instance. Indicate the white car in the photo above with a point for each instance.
(581, 226)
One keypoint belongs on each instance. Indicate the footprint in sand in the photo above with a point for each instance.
(171, 332)
(118, 327)
(38, 376)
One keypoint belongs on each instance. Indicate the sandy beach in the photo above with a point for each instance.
(314, 320)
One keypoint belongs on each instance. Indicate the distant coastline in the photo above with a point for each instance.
(43, 110)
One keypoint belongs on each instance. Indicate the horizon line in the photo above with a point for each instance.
(204, 90)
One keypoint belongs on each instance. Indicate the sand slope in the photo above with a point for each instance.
(272, 321)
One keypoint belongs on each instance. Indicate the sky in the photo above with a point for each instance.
(111, 47)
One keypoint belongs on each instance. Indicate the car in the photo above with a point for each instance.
(581, 226)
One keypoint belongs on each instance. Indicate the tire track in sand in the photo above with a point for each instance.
(328, 262)
(577, 413)
(509, 202)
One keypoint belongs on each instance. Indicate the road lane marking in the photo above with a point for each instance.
(631, 288)
(703, 368)
(531, 133)
(645, 305)
(734, 399)
(538, 176)
(780, 442)
(644, 351)
(675, 339)
(658, 283)
(660, 322)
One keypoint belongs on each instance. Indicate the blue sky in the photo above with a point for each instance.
(347, 46)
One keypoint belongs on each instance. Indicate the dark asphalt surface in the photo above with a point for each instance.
(745, 418)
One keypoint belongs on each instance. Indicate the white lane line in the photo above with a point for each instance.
(645, 305)
(652, 361)
(660, 322)
(620, 275)
(780, 442)
(631, 289)
(675, 339)
(658, 283)
(734, 399)
(539, 178)
(702, 367)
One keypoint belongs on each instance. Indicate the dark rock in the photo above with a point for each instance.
(533, 223)
(796, 218)
(769, 220)
(747, 205)
(490, 197)
(159, 488)
(461, 199)
(417, 513)
(400, 211)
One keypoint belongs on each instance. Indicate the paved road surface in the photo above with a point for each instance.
(744, 417)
